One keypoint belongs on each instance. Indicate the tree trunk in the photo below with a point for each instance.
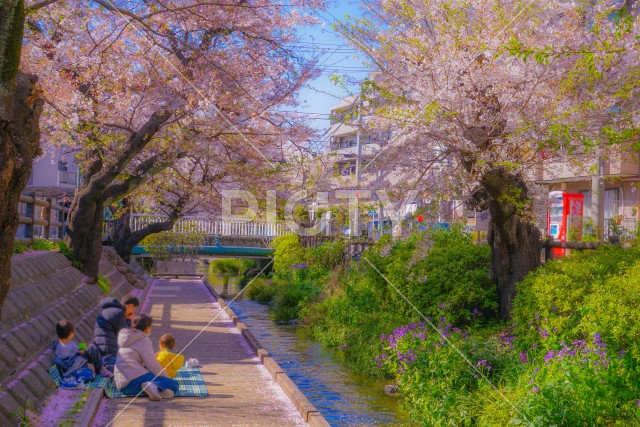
(20, 109)
(514, 239)
(101, 188)
(84, 230)
(126, 240)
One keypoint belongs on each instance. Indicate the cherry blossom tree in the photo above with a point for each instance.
(128, 84)
(477, 89)
(192, 187)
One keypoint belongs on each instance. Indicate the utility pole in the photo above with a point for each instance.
(356, 220)
(597, 197)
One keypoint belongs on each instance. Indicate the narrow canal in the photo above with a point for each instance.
(342, 397)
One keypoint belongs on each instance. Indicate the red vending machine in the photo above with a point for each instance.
(564, 220)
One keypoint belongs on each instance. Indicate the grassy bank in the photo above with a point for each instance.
(569, 355)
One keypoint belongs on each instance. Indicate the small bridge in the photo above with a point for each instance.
(219, 251)
(217, 227)
(237, 239)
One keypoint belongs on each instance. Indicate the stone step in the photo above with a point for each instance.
(34, 296)
(36, 267)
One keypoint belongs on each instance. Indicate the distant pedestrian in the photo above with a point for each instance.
(64, 203)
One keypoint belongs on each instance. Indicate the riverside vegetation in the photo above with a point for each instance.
(568, 356)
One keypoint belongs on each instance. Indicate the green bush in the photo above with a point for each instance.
(67, 252)
(326, 256)
(20, 247)
(228, 266)
(441, 272)
(580, 385)
(576, 297)
(261, 290)
(180, 243)
(289, 299)
(43, 245)
(288, 253)
(577, 384)
(441, 387)
(104, 284)
(304, 286)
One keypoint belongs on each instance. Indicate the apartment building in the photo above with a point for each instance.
(343, 140)
(54, 175)
(621, 184)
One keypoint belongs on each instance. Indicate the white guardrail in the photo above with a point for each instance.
(215, 227)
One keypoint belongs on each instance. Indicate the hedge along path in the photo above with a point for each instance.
(241, 391)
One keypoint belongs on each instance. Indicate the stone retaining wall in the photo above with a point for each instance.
(44, 289)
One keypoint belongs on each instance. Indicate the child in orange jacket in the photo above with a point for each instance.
(170, 361)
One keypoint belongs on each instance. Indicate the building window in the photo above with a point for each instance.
(610, 203)
(348, 170)
(63, 166)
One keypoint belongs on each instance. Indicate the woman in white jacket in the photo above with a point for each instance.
(137, 369)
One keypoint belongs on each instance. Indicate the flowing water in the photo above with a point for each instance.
(342, 397)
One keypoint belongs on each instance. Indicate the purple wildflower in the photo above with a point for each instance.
(523, 357)
(548, 356)
(300, 266)
(535, 389)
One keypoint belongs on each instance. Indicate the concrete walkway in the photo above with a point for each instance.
(241, 391)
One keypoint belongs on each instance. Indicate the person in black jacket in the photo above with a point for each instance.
(105, 334)
(111, 320)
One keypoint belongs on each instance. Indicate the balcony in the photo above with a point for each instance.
(67, 177)
(557, 170)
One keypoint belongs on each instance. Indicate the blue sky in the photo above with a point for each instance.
(336, 56)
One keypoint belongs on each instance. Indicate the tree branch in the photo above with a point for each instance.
(135, 144)
(40, 5)
(145, 171)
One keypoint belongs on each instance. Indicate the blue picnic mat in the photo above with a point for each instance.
(100, 381)
(189, 379)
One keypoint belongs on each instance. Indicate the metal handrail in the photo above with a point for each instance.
(215, 227)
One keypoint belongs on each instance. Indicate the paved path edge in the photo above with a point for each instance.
(90, 408)
(306, 409)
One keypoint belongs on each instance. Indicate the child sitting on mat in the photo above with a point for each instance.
(75, 367)
(170, 361)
